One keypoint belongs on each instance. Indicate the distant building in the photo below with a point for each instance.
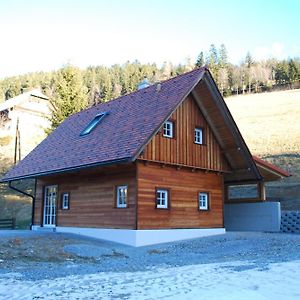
(30, 111)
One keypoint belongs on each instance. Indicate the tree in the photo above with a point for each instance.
(200, 60)
(293, 71)
(223, 57)
(249, 65)
(70, 95)
(189, 66)
(212, 61)
(223, 80)
(281, 72)
(235, 78)
(249, 60)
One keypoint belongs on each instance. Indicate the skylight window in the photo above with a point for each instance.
(93, 123)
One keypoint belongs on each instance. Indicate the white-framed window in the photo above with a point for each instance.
(168, 129)
(162, 198)
(122, 192)
(203, 201)
(65, 201)
(199, 136)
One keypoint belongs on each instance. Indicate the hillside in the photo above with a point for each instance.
(270, 124)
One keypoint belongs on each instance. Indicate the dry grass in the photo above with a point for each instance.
(270, 122)
(270, 125)
(13, 204)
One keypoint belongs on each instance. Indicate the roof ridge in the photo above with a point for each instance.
(204, 68)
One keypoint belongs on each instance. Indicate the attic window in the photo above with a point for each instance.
(168, 129)
(93, 123)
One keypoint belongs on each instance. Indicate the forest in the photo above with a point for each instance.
(97, 84)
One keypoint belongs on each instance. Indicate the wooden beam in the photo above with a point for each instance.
(261, 191)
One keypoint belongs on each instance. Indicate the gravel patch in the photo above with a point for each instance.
(42, 255)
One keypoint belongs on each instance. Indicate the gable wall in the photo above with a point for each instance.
(92, 198)
(184, 186)
(181, 149)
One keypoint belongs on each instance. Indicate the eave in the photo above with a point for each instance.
(269, 171)
(66, 170)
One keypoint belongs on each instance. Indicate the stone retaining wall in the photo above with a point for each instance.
(290, 221)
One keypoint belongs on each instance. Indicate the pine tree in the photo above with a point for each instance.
(212, 61)
(249, 60)
(200, 60)
(293, 71)
(281, 72)
(70, 95)
(223, 57)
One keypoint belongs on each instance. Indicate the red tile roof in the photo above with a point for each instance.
(132, 120)
(271, 167)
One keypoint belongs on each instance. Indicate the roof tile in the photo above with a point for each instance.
(132, 120)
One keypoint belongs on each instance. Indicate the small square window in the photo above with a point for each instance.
(65, 201)
(162, 198)
(122, 192)
(199, 136)
(203, 201)
(168, 129)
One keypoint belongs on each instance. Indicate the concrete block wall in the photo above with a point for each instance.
(259, 216)
(290, 221)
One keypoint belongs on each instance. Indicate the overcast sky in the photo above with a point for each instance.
(42, 35)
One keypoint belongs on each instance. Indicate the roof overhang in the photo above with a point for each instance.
(269, 171)
(226, 132)
(66, 170)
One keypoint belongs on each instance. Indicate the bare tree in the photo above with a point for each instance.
(223, 79)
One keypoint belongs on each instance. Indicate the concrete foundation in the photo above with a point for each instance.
(139, 238)
(260, 216)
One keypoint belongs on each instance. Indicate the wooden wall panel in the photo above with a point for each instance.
(92, 198)
(181, 149)
(184, 187)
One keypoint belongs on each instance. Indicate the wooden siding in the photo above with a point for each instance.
(92, 198)
(184, 186)
(181, 149)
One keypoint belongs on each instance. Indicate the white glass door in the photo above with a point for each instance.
(50, 206)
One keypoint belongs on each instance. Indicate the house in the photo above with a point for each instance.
(27, 115)
(149, 167)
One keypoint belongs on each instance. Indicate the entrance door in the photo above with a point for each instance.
(50, 206)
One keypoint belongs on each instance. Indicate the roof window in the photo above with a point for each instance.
(93, 123)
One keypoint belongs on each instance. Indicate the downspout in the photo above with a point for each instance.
(28, 195)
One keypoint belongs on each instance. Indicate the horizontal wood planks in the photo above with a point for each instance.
(181, 149)
(92, 198)
(184, 186)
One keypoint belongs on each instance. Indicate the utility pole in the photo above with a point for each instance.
(17, 155)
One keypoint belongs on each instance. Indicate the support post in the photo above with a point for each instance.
(262, 191)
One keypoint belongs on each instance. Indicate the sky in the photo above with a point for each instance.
(43, 35)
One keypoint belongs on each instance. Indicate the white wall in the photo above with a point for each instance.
(139, 238)
(260, 216)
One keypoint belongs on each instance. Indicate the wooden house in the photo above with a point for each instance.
(149, 167)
